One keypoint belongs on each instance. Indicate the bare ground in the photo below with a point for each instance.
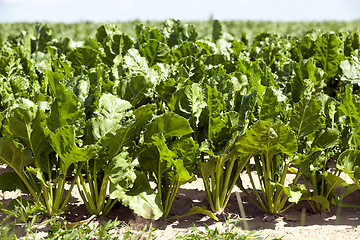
(339, 223)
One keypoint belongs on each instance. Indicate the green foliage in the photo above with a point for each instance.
(130, 118)
(229, 230)
(272, 146)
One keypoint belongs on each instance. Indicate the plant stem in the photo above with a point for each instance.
(78, 171)
(268, 191)
(226, 188)
(208, 194)
(260, 201)
(88, 198)
(216, 191)
(101, 200)
(109, 205)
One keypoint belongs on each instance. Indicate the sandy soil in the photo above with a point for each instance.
(288, 225)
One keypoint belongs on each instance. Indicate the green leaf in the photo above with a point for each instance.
(132, 188)
(334, 181)
(44, 37)
(109, 116)
(319, 199)
(312, 163)
(185, 49)
(170, 124)
(135, 89)
(188, 151)
(307, 80)
(176, 32)
(348, 161)
(80, 86)
(155, 52)
(54, 79)
(293, 195)
(156, 156)
(198, 210)
(136, 64)
(115, 45)
(351, 71)
(14, 155)
(264, 137)
(327, 54)
(272, 104)
(351, 43)
(326, 138)
(64, 144)
(216, 31)
(307, 117)
(188, 102)
(120, 170)
(126, 136)
(26, 124)
(66, 109)
(140, 198)
(217, 128)
(144, 34)
(208, 168)
(10, 181)
(82, 59)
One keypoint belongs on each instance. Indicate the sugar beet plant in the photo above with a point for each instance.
(130, 119)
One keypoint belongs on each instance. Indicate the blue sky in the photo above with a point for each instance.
(186, 10)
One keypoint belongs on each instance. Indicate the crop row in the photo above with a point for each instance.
(131, 119)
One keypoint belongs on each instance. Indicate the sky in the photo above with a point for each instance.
(69, 11)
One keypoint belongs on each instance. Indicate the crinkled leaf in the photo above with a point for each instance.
(349, 162)
(136, 64)
(351, 71)
(64, 144)
(311, 163)
(188, 151)
(217, 127)
(327, 53)
(114, 45)
(26, 123)
(185, 49)
(307, 117)
(80, 86)
(82, 59)
(156, 156)
(170, 124)
(120, 170)
(66, 109)
(272, 104)
(15, 156)
(140, 198)
(176, 32)
(155, 52)
(307, 79)
(188, 102)
(264, 137)
(126, 136)
(135, 89)
(109, 114)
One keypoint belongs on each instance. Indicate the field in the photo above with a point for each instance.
(162, 123)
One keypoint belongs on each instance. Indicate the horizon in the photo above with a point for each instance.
(71, 11)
